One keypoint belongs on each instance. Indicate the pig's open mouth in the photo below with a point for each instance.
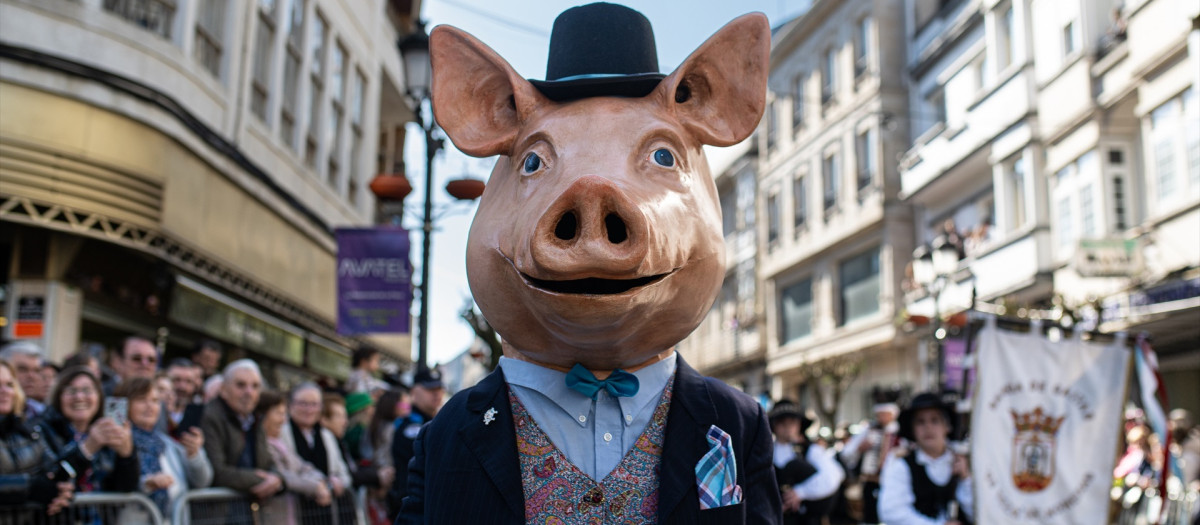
(593, 285)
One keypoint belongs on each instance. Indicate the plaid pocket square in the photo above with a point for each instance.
(716, 473)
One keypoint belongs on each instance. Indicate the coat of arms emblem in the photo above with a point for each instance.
(1033, 449)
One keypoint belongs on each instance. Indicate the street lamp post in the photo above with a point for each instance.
(933, 267)
(414, 51)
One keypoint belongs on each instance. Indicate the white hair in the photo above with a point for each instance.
(307, 385)
(17, 348)
(242, 364)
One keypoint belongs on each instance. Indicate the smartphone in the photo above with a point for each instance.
(192, 414)
(64, 473)
(117, 409)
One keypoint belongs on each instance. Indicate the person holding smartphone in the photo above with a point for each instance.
(74, 421)
(27, 468)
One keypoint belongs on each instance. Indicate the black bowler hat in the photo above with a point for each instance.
(923, 401)
(600, 50)
(786, 408)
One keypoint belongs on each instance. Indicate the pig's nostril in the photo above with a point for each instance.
(566, 227)
(616, 229)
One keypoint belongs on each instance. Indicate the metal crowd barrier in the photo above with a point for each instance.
(1138, 508)
(218, 506)
(91, 508)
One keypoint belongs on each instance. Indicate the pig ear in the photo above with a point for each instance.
(719, 92)
(478, 99)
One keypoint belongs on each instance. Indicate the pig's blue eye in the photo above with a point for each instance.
(532, 162)
(664, 158)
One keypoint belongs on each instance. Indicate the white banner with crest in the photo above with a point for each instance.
(1044, 427)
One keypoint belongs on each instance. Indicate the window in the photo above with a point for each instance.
(728, 213)
(316, 54)
(829, 75)
(772, 221)
(798, 102)
(796, 310)
(1174, 148)
(772, 126)
(862, 45)
(358, 92)
(155, 16)
(865, 145)
(859, 286)
(1016, 194)
(830, 178)
(1004, 39)
(1118, 190)
(337, 109)
(1070, 37)
(1074, 198)
(264, 38)
(746, 194)
(800, 202)
(1065, 234)
(210, 21)
(291, 73)
(1087, 212)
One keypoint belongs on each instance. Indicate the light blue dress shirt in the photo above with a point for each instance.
(594, 435)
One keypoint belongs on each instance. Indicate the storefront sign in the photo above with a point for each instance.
(198, 311)
(31, 317)
(374, 279)
(328, 361)
(1107, 258)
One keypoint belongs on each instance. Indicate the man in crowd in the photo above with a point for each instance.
(427, 393)
(303, 435)
(362, 379)
(207, 355)
(185, 384)
(138, 358)
(866, 452)
(1185, 446)
(26, 358)
(807, 474)
(236, 446)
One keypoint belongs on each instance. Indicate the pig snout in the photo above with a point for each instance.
(591, 230)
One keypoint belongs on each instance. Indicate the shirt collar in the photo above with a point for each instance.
(926, 459)
(551, 383)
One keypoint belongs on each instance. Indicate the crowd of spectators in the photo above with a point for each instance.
(128, 424)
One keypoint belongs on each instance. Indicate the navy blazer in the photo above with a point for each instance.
(464, 471)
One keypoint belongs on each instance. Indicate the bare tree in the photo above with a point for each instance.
(483, 331)
(828, 381)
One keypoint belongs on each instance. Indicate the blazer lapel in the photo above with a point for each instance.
(688, 420)
(495, 443)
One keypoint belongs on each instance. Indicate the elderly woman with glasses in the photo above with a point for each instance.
(27, 468)
(168, 468)
(73, 421)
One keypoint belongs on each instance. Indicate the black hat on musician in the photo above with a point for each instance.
(786, 408)
(923, 401)
(599, 50)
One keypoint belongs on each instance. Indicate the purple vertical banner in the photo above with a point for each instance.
(953, 352)
(374, 281)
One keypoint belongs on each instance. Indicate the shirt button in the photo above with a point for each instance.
(629, 419)
(583, 419)
(607, 436)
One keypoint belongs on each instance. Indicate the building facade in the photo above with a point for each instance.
(730, 343)
(834, 235)
(177, 168)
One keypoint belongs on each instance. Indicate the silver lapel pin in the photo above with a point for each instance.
(489, 416)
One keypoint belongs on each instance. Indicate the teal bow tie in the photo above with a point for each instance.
(618, 384)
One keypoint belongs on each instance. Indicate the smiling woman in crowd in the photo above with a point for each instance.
(73, 421)
(168, 468)
(26, 464)
(299, 476)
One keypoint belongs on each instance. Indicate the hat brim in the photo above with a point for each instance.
(638, 85)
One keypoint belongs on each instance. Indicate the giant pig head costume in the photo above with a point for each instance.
(598, 239)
